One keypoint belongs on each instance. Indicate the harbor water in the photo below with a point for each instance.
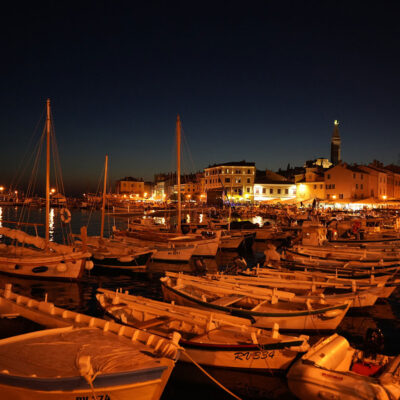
(186, 380)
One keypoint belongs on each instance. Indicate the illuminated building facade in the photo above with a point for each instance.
(270, 187)
(232, 180)
(130, 186)
(346, 182)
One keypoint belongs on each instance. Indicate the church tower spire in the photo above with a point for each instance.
(335, 144)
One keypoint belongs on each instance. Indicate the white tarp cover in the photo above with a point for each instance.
(36, 241)
(56, 355)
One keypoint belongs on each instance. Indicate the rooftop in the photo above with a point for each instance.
(234, 164)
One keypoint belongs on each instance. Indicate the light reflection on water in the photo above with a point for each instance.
(51, 224)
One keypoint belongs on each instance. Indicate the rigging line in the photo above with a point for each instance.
(33, 178)
(17, 174)
(23, 170)
(66, 231)
(188, 153)
(96, 195)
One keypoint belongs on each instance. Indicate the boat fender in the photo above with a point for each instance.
(65, 215)
(125, 259)
(89, 265)
(98, 256)
(331, 314)
(61, 267)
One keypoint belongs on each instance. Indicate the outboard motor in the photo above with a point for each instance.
(200, 266)
(240, 264)
(374, 342)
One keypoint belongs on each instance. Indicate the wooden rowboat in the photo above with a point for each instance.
(263, 306)
(209, 338)
(81, 357)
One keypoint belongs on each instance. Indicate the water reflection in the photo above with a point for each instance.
(51, 224)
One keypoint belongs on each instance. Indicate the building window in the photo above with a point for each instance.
(264, 190)
(328, 196)
(257, 191)
(362, 176)
(329, 176)
(248, 180)
(279, 191)
(341, 196)
(286, 191)
(361, 186)
(356, 185)
(321, 186)
(249, 171)
(248, 190)
(271, 191)
(315, 186)
(354, 175)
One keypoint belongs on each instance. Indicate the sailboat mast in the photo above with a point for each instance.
(47, 225)
(103, 206)
(178, 168)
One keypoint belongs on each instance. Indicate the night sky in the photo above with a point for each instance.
(259, 81)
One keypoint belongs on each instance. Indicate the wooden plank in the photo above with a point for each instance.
(152, 322)
(227, 300)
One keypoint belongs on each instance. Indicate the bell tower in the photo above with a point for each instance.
(335, 144)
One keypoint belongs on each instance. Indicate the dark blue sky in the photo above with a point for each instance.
(256, 80)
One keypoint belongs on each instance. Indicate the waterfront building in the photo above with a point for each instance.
(231, 180)
(336, 144)
(272, 187)
(346, 182)
(377, 181)
(312, 184)
(393, 181)
(130, 186)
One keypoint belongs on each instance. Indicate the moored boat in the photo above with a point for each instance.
(262, 306)
(332, 369)
(80, 356)
(210, 338)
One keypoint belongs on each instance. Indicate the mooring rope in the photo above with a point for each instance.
(209, 376)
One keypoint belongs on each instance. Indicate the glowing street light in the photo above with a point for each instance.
(334, 197)
(53, 191)
(384, 197)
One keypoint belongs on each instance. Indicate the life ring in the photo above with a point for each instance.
(65, 215)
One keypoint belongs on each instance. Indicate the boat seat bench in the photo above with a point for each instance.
(227, 300)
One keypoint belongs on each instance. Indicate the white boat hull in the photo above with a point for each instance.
(55, 266)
